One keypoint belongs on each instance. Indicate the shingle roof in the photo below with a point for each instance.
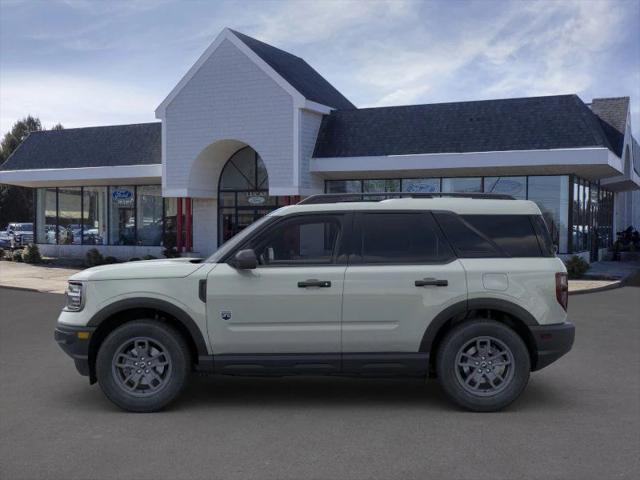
(613, 116)
(533, 123)
(298, 73)
(109, 146)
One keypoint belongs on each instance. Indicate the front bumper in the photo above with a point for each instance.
(552, 342)
(75, 343)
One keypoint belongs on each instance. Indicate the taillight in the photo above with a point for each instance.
(562, 289)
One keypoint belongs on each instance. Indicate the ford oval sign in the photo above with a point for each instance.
(256, 199)
(121, 194)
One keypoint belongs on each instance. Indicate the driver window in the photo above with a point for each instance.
(299, 241)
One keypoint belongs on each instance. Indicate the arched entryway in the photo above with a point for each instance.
(243, 193)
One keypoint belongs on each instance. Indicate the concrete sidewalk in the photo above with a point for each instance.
(40, 278)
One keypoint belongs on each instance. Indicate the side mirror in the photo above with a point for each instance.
(245, 260)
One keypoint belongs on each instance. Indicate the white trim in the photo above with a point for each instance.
(41, 177)
(296, 146)
(163, 152)
(444, 161)
(227, 34)
(316, 107)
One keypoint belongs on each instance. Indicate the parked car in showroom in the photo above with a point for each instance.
(17, 235)
(463, 288)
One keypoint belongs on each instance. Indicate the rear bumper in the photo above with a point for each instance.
(74, 346)
(552, 342)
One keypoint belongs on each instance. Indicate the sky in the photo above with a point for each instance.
(86, 63)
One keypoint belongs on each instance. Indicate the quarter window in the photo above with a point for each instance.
(467, 242)
(305, 240)
(401, 238)
(514, 234)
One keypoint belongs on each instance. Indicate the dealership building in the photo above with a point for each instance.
(250, 128)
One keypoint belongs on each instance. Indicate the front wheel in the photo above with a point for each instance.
(483, 365)
(143, 365)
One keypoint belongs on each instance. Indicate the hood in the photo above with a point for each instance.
(165, 268)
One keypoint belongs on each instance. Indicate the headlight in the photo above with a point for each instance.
(74, 297)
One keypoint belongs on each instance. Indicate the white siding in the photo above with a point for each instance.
(309, 126)
(229, 97)
(205, 226)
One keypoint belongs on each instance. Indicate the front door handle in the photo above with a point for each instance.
(427, 282)
(314, 283)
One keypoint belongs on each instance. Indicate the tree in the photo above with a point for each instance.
(16, 203)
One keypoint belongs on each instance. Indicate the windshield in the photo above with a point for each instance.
(230, 244)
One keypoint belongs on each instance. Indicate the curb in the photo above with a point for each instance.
(612, 286)
(28, 289)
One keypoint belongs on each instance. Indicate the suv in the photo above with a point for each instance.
(467, 290)
(19, 234)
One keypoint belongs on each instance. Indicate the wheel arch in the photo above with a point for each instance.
(123, 311)
(502, 311)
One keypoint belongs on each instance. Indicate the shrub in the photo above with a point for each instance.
(110, 260)
(576, 266)
(1, 253)
(31, 254)
(134, 259)
(148, 257)
(171, 252)
(17, 256)
(93, 258)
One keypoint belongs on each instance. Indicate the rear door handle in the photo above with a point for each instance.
(427, 282)
(314, 283)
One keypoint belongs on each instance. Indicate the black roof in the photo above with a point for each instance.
(533, 123)
(108, 146)
(298, 73)
(612, 113)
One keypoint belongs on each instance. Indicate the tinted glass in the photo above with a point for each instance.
(122, 221)
(401, 238)
(548, 249)
(467, 242)
(381, 186)
(422, 185)
(149, 211)
(94, 216)
(309, 240)
(69, 216)
(512, 233)
(46, 215)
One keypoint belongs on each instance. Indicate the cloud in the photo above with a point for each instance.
(73, 101)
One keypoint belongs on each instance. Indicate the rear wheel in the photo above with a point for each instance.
(143, 365)
(483, 365)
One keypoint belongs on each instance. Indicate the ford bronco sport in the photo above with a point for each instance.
(463, 288)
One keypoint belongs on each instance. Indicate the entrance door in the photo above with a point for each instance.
(291, 303)
(243, 193)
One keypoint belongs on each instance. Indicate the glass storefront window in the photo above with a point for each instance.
(46, 215)
(122, 219)
(462, 185)
(421, 185)
(94, 215)
(69, 216)
(514, 186)
(149, 214)
(344, 186)
(380, 186)
(551, 194)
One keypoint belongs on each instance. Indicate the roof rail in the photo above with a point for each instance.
(378, 197)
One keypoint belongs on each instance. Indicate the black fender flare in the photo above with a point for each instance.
(154, 304)
(461, 309)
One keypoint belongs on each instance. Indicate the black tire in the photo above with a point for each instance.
(140, 394)
(458, 371)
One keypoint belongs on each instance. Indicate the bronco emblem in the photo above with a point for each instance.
(225, 315)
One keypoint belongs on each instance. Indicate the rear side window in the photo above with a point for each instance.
(467, 241)
(544, 237)
(514, 234)
(400, 238)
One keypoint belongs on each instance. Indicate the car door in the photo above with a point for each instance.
(402, 273)
(290, 303)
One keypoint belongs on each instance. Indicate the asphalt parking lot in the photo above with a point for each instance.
(578, 419)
